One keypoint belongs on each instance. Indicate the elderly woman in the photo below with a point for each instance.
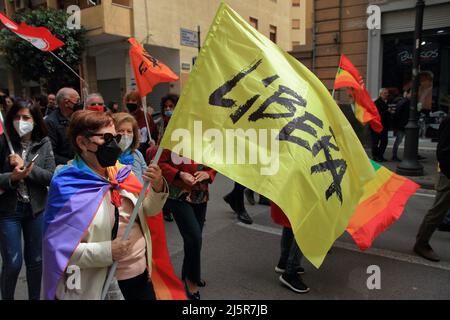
(132, 272)
(86, 199)
(128, 128)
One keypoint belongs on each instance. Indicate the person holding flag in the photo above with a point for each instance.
(86, 200)
(24, 177)
(347, 76)
(380, 139)
(148, 72)
(134, 106)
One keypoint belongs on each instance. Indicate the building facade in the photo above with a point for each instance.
(168, 29)
(382, 54)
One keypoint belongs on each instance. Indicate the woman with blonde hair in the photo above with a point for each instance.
(127, 126)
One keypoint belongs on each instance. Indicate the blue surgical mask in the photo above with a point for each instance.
(168, 113)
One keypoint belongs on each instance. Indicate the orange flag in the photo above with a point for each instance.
(148, 71)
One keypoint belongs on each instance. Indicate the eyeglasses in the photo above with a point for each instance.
(108, 137)
(93, 104)
(73, 102)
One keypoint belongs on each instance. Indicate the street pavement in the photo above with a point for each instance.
(427, 148)
(238, 260)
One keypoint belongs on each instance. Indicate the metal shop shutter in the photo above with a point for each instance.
(437, 16)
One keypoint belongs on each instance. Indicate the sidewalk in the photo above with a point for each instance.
(426, 149)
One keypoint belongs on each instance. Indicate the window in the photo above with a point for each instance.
(273, 34)
(254, 23)
(296, 3)
(295, 23)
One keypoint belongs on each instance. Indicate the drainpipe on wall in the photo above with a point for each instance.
(313, 64)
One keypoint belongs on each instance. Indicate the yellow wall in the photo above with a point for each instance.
(166, 17)
(305, 14)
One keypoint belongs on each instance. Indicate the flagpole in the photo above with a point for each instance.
(133, 217)
(8, 140)
(73, 71)
(144, 105)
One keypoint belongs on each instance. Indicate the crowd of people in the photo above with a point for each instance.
(63, 147)
(55, 138)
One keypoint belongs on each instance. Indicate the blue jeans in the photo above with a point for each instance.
(399, 135)
(11, 228)
(291, 254)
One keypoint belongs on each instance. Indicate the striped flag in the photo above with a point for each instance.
(166, 284)
(380, 206)
(348, 77)
(40, 37)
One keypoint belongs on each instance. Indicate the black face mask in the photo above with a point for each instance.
(132, 107)
(77, 106)
(108, 153)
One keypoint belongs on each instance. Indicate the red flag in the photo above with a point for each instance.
(40, 37)
(147, 70)
(166, 284)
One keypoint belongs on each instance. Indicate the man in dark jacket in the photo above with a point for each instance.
(441, 205)
(380, 140)
(400, 120)
(58, 122)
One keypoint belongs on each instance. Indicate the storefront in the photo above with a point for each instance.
(389, 59)
(434, 90)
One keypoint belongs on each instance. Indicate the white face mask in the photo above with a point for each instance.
(125, 142)
(23, 127)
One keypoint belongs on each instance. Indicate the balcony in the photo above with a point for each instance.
(107, 17)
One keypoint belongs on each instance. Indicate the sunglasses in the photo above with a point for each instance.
(93, 104)
(108, 137)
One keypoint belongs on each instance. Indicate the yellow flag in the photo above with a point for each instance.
(257, 115)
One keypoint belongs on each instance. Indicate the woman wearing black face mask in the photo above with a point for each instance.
(133, 104)
(90, 195)
(23, 194)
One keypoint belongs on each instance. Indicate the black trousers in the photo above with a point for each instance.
(190, 219)
(379, 143)
(137, 288)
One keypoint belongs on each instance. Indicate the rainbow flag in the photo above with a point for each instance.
(74, 198)
(365, 110)
(381, 205)
(75, 195)
(166, 284)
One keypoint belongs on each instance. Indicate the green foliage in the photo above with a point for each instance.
(31, 63)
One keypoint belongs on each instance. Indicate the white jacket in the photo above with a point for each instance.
(89, 265)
